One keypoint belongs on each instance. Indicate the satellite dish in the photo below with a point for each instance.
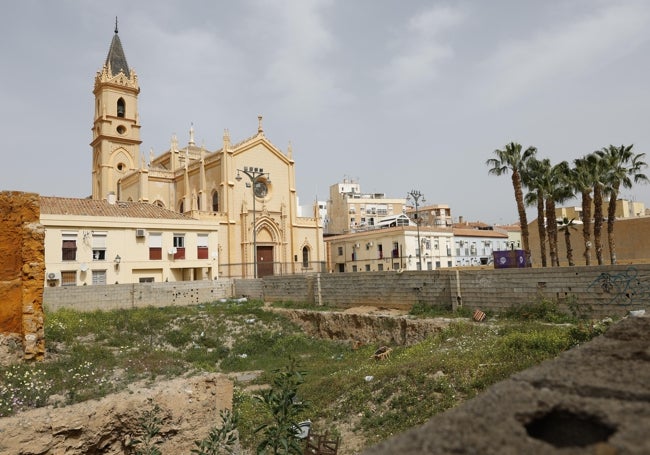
(83, 267)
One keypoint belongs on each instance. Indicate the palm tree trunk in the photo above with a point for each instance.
(521, 209)
(541, 228)
(598, 222)
(611, 218)
(550, 222)
(586, 225)
(569, 249)
(554, 233)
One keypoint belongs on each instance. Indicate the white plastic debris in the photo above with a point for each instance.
(250, 321)
(242, 356)
(637, 313)
(369, 378)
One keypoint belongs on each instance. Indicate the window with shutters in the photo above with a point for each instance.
(69, 278)
(202, 246)
(155, 246)
(99, 246)
(99, 277)
(179, 246)
(69, 247)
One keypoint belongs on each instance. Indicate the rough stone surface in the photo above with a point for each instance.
(189, 408)
(594, 399)
(22, 271)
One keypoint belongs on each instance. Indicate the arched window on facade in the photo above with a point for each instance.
(305, 257)
(215, 201)
(198, 202)
(121, 107)
(180, 207)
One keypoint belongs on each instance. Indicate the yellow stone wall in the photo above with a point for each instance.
(22, 271)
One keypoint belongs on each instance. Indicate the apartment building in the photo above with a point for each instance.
(350, 210)
(91, 242)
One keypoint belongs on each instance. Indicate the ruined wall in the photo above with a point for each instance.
(21, 274)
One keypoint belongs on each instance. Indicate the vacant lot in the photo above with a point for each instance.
(350, 394)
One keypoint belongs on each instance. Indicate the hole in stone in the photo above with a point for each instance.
(566, 429)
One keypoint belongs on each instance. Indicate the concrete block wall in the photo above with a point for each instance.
(138, 295)
(596, 290)
(251, 288)
(22, 272)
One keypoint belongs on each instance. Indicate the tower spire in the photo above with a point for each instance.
(115, 24)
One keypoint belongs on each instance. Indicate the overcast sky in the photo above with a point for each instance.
(397, 95)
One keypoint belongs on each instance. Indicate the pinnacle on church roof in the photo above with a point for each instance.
(116, 60)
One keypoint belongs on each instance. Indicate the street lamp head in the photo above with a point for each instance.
(238, 178)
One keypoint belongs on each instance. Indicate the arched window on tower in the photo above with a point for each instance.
(215, 201)
(121, 107)
(180, 207)
(198, 202)
(305, 257)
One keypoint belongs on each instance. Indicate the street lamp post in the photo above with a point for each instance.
(417, 196)
(258, 182)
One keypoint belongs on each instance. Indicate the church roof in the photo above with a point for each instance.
(116, 60)
(94, 207)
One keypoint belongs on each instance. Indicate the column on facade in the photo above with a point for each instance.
(202, 181)
(143, 185)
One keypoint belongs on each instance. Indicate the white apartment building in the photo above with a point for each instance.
(349, 210)
(391, 248)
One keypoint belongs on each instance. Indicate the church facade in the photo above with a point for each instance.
(246, 191)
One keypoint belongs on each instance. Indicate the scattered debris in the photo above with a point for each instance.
(382, 353)
(478, 315)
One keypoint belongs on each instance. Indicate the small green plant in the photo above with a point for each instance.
(580, 311)
(222, 439)
(282, 403)
(148, 438)
(545, 310)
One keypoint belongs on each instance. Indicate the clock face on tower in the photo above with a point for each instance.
(260, 188)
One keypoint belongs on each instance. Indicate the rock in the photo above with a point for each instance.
(105, 426)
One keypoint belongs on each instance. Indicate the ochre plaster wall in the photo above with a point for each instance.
(21, 271)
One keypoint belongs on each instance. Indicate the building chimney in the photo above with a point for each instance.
(110, 198)
(460, 220)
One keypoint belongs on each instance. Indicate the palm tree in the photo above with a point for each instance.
(599, 168)
(511, 159)
(582, 179)
(622, 165)
(566, 225)
(532, 178)
(557, 189)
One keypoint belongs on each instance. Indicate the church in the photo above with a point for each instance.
(245, 192)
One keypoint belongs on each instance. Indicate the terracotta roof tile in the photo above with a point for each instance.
(93, 207)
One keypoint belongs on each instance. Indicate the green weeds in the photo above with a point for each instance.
(94, 354)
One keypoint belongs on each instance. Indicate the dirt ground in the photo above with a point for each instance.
(104, 426)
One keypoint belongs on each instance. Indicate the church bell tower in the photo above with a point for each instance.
(116, 126)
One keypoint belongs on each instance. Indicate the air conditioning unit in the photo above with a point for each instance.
(139, 232)
(53, 276)
(173, 250)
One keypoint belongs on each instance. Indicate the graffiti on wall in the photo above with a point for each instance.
(624, 288)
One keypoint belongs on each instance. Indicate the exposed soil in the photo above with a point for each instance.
(190, 406)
